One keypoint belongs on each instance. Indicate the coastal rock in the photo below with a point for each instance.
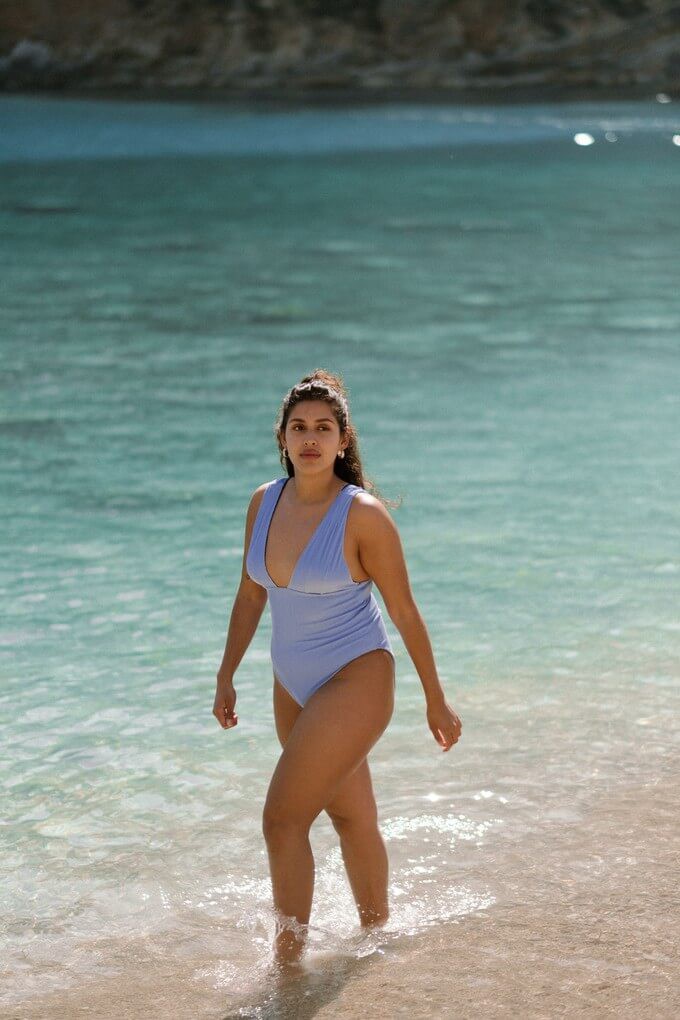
(251, 46)
(29, 62)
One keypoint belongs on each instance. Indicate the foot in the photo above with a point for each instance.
(289, 945)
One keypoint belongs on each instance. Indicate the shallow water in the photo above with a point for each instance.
(502, 303)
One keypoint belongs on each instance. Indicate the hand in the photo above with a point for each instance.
(223, 709)
(445, 725)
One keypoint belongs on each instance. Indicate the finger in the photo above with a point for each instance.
(447, 741)
(225, 717)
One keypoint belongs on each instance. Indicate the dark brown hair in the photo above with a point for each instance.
(323, 385)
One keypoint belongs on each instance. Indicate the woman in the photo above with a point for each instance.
(315, 541)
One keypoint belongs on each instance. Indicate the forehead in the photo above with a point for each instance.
(312, 410)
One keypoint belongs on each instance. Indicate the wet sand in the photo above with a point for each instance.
(602, 942)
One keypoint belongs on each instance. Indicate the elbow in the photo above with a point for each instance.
(403, 615)
(252, 595)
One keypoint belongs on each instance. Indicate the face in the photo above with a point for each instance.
(312, 427)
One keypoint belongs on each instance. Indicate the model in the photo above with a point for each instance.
(315, 541)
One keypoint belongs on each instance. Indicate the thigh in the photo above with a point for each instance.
(331, 738)
(354, 801)
(286, 711)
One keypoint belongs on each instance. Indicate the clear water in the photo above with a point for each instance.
(503, 305)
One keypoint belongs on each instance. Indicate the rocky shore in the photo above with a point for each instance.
(287, 47)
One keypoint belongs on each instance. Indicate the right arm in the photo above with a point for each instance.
(246, 612)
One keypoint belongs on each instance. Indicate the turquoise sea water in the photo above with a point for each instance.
(503, 305)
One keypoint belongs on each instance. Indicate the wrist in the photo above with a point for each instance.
(225, 679)
(435, 697)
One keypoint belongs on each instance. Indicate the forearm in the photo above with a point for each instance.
(414, 634)
(245, 616)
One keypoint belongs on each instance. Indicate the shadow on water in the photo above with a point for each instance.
(299, 992)
(299, 996)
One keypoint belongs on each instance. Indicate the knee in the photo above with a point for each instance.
(353, 823)
(279, 825)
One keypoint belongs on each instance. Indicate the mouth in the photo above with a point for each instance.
(312, 456)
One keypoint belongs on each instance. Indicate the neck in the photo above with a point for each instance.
(318, 489)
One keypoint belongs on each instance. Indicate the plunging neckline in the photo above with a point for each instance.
(285, 587)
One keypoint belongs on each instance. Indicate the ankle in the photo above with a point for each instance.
(371, 918)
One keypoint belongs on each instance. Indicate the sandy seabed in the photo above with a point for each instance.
(604, 942)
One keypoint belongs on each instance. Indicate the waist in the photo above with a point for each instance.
(337, 611)
(332, 633)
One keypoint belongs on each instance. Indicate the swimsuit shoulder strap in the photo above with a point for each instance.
(337, 515)
(266, 508)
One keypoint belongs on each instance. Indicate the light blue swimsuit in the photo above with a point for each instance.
(323, 619)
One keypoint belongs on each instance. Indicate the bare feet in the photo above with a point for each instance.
(289, 942)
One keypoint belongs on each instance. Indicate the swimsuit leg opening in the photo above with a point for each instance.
(288, 690)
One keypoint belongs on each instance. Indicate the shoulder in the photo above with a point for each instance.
(369, 513)
(378, 541)
(258, 495)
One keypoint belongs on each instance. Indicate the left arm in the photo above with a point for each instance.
(382, 556)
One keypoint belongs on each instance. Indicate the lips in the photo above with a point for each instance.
(310, 455)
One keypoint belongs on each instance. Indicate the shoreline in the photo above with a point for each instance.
(278, 99)
(597, 942)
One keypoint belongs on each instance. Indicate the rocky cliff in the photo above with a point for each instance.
(298, 46)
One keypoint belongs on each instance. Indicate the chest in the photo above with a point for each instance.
(316, 543)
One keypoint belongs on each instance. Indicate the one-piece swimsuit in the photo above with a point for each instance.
(322, 619)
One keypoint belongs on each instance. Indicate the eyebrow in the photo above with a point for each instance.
(318, 419)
